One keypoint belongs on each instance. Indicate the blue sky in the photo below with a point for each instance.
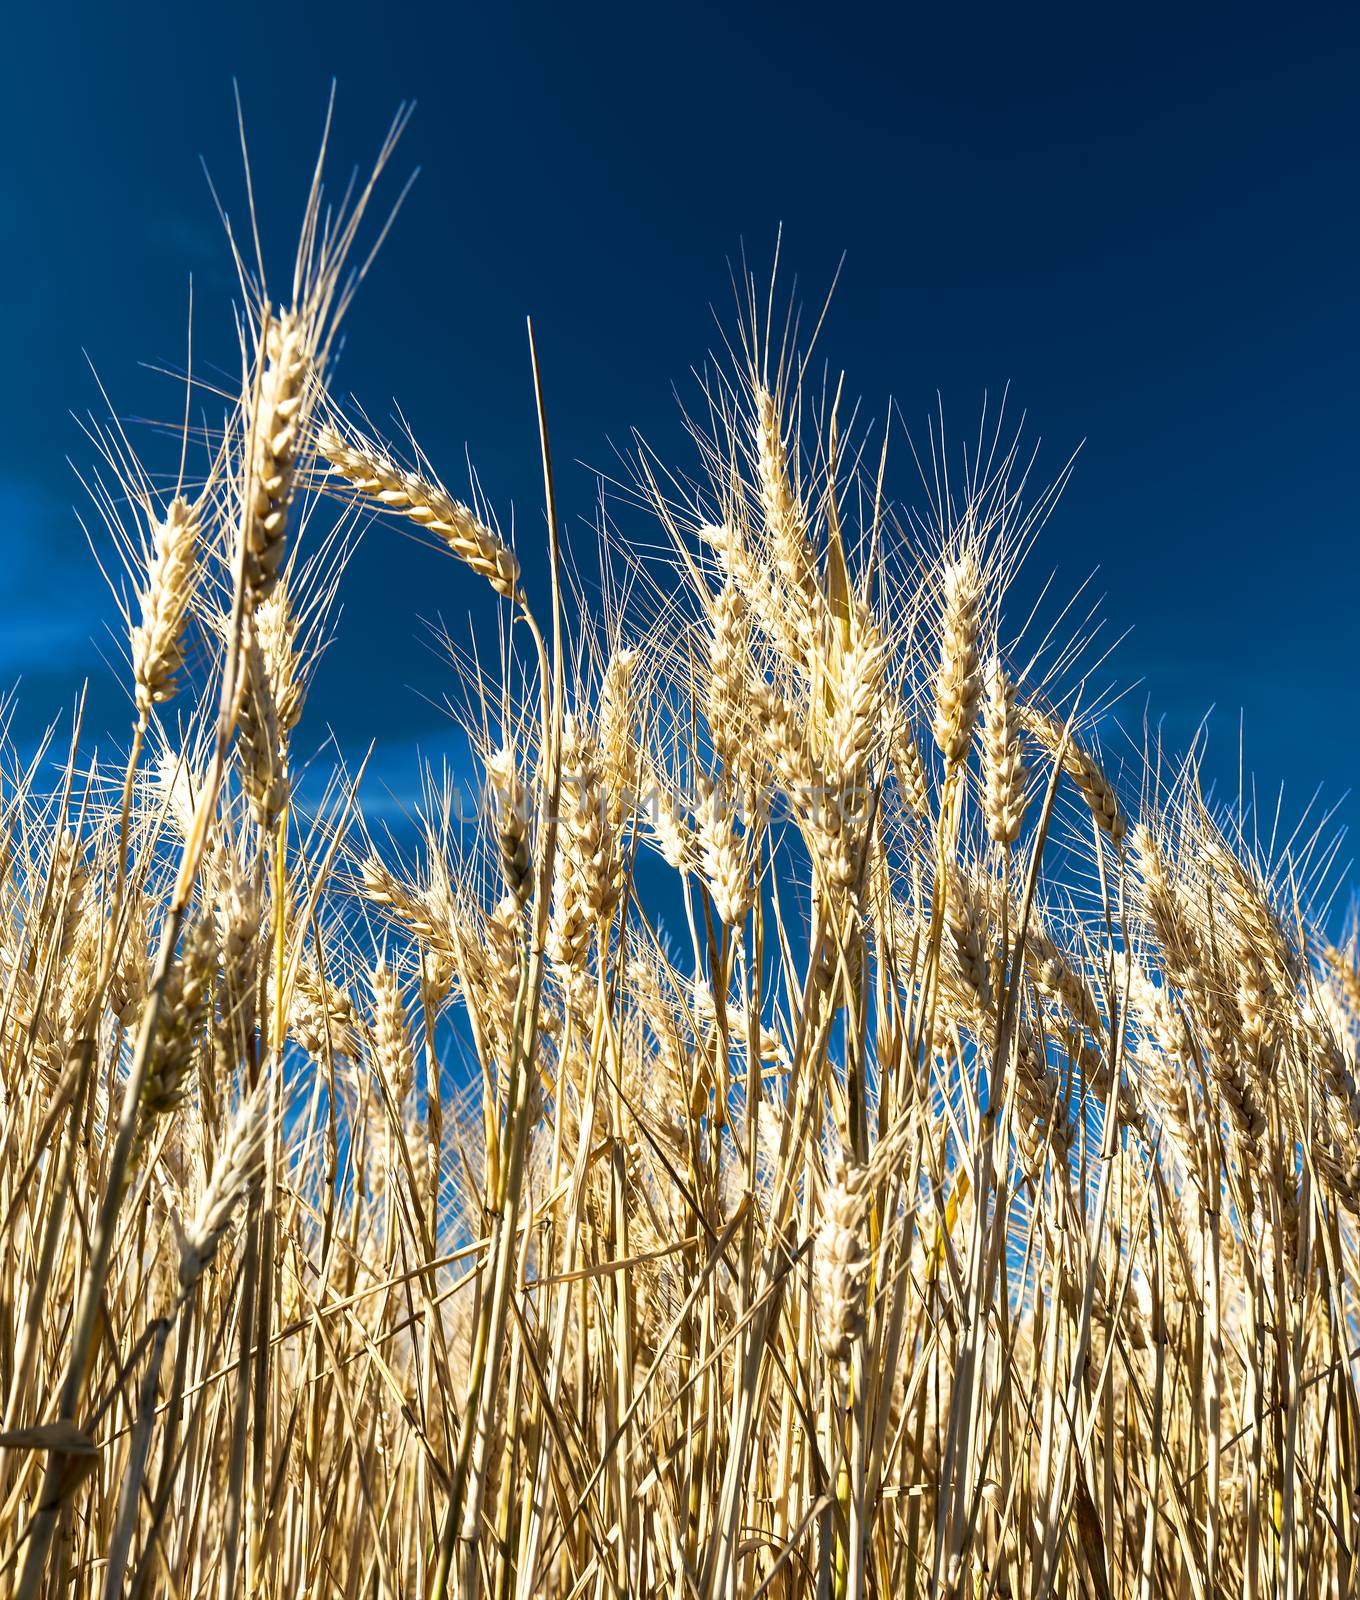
(1145, 223)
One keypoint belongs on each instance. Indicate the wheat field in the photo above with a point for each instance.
(819, 1127)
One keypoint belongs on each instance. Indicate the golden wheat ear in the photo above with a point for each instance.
(374, 475)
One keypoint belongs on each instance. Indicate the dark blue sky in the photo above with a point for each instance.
(1145, 223)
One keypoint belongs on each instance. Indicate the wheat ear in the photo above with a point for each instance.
(157, 651)
(426, 502)
(957, 684)
(1003, 771)
(233, 1174)
(274, 433)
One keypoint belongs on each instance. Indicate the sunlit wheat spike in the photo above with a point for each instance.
(1003, 769)
(588, 884)
(510, 800)
(184, 1011)
(785, 524)
(234, 1172)
(274, 427)
(958, 681)
(909, 769)
(392, 1052)
(157, 640)
(263, 765)
(856, 719)
(618, 734)
(1082, 767)
(426, 502)
(276, 629)
(841, 1259)
(725, 859)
